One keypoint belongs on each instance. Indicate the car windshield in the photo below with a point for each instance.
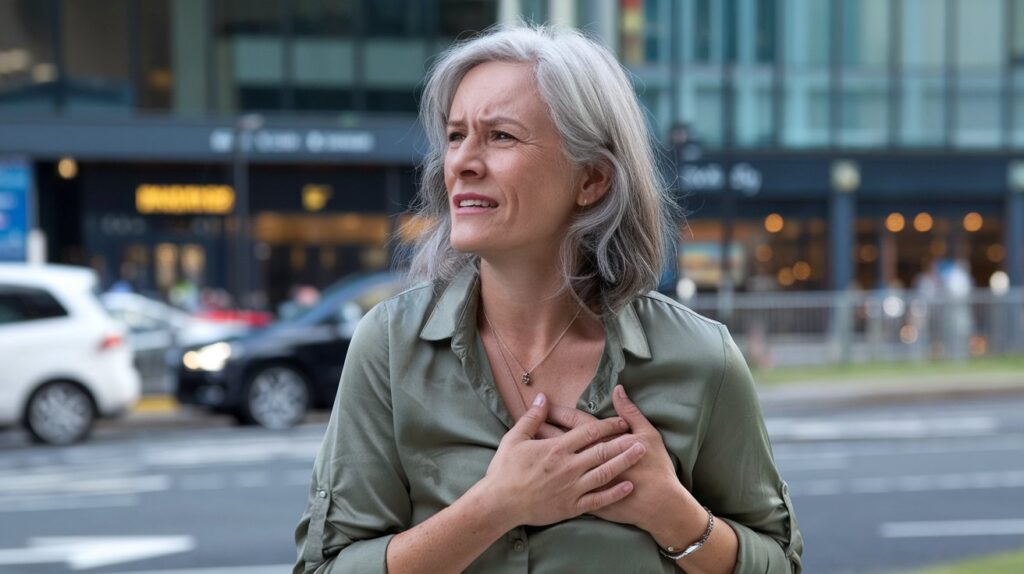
(361, 289)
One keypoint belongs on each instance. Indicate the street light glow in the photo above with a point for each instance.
(973, 221)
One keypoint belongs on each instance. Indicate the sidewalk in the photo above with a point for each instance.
(890, 389)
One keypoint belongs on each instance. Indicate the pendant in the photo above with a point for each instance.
(526, 378)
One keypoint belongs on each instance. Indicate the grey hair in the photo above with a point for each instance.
(614, 250)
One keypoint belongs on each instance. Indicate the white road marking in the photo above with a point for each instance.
(821, 429)
(202, 482)
(954, 528)
(844, 450)
(67, 503)
(255, 479)
(919, 483)
(268, 569)
(82, 553)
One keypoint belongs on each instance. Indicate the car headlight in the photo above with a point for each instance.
(209, 358)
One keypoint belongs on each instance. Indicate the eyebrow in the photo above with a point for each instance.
(493, 121)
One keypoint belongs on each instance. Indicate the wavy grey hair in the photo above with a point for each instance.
(613, 250)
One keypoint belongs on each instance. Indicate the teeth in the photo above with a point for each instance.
(476, 203)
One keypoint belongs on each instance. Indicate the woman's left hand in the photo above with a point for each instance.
(655, 483)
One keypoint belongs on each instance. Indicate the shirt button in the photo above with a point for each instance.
(591, 406)
(519, 546)
(322, 494)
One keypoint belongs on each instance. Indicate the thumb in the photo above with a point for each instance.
(528, 425)
(628, 410)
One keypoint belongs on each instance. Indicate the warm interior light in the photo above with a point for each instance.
(923, 222)
(802, 270)
(868, 253)
(67, 167)
(763, 253)
(973, 221)
(785, 277)
(895, 222)
(774, 223)
(995, 253)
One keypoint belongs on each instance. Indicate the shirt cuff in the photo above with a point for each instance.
(363, 556)
(757, 553)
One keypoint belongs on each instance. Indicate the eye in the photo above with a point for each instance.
(503, 136)
(455, 136)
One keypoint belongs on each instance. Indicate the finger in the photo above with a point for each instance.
(593, 501)
(629, 411)
(549, 431)
(590, 433)
(597, 454)
(527, 426)
(568, 417)
(619, 464)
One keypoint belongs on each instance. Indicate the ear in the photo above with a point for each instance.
(595, 181)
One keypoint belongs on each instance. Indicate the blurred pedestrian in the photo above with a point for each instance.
(533, 403)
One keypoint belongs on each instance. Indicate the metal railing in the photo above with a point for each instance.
(821, 327)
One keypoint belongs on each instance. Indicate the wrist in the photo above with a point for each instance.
(681, 522)
(487, 499)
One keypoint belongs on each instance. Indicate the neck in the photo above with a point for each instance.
(527, 305)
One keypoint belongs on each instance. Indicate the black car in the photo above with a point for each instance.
(273, 376)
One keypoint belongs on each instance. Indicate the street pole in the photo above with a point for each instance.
(725, 286)
(245, 127)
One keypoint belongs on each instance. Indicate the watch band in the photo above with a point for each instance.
(675, 554)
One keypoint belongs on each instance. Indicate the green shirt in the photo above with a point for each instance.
(418, 418)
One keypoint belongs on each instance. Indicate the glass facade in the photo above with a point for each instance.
(850, 74)
(220, 57)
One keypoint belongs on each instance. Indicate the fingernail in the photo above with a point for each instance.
(538, 400)
(627, 486)
(623, 425)
(638, 448)
(620, 391)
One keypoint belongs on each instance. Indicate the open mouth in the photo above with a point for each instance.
(477, 203)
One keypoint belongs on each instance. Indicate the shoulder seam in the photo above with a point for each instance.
(669, 302)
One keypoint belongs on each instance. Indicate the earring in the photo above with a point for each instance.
(584, 203)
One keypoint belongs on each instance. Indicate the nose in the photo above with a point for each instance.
(465, 160)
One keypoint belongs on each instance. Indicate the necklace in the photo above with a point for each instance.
(511, 375)
(526, 380)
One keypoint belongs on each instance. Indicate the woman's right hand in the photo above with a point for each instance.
(543, 481)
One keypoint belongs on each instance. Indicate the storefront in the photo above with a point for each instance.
(804, 223)
(158, 227)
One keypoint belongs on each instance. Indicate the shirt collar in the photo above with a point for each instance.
(460, 297)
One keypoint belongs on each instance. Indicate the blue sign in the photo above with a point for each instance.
(15, 195)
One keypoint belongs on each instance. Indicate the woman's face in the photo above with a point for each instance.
(509, 184)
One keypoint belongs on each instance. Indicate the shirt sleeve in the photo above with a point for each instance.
(359, 493)
(735, 474)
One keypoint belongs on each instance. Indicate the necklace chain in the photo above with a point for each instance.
(526, 380)
(508, 367)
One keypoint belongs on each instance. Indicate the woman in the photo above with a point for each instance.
(530, 407)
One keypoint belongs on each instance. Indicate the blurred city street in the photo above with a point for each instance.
(916, 483)
(201, 199)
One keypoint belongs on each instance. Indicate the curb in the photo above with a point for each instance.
(156, 404)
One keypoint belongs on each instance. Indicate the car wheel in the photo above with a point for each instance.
(60, 413)
(276, 397)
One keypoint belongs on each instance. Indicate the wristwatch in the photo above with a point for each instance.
(674, 554)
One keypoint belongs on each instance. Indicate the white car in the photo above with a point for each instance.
(155, 328)
(64, 360)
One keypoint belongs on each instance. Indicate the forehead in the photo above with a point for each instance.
(497, 87)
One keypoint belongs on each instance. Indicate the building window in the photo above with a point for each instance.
(808, 52)
(980, 74)
(864, 79)
(923, 60)
(96, 52)
(28, 68)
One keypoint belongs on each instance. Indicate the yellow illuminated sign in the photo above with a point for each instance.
(315, 196)
(180, 199)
